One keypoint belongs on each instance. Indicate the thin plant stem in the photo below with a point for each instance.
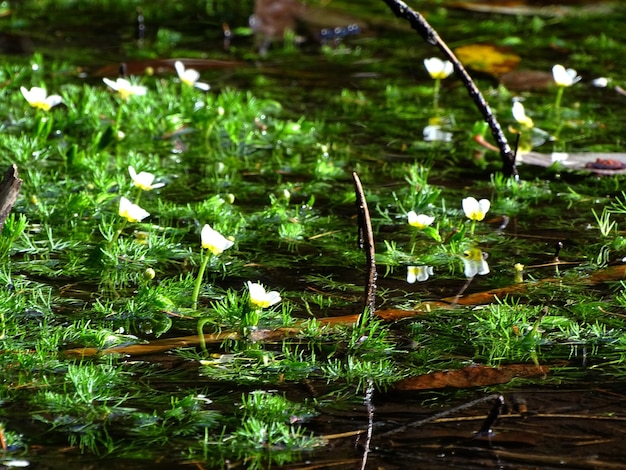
(557, 112)
(118, 120)
(201, 324)
(118, 232)
(472, 227)
(116, 134)
(436, 88)
(557, 101)
(196, 289)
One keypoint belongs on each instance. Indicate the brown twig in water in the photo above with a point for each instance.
(438, 416)
(419, 24)
(456, 298)
(366, 242)
(9, 190)
(370, 421)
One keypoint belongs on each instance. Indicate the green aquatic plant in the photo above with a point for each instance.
(605, 224)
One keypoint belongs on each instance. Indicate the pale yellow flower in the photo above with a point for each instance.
(519, 114)
(434, 133)
(143, 180)
(564, 77)
(437, 68)
(131, 212)
(38, 98)
(260, 298)
(475, 210)
(190, 76)
(475, 262)
(420, 221)
(214, 241)
(418, 273)
(601, 82)
(125, 88)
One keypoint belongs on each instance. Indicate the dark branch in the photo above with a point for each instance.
(419, 24)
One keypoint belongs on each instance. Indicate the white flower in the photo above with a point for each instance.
(420, 221)
(418, 273)
(190, 76)
(559, 156)
(214, 241)
(433, 133)
(260, 298)
(38, 98)
(131, 212)
(519, 114)
(475, 262)
(143, 180)
(125, 88)
(475, 210)
(16, 463)
(600, 82)
(564, 77)
(437, 68)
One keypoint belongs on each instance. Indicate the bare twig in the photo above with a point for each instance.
(438, 416)
(366, 242)
(370, 421)
(419, 24)
(9, 190)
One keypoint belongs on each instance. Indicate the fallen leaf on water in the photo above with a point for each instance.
(472, 376)
(488, 58)
(423, 308)
(340, 320)
(525, 80)
(612, 273)
(156, 346)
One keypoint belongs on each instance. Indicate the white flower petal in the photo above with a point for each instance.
(131, 212)
(475, 210)
(437, 68)
(180, 68)
(411, 274)
(474, 263)
(260, 298)
(519, 114)
(433, 133)
(564, 77)
(37, 98)
(214, 241)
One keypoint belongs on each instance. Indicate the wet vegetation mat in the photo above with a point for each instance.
(277, 234)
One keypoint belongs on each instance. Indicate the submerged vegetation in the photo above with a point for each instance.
(219, 215)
